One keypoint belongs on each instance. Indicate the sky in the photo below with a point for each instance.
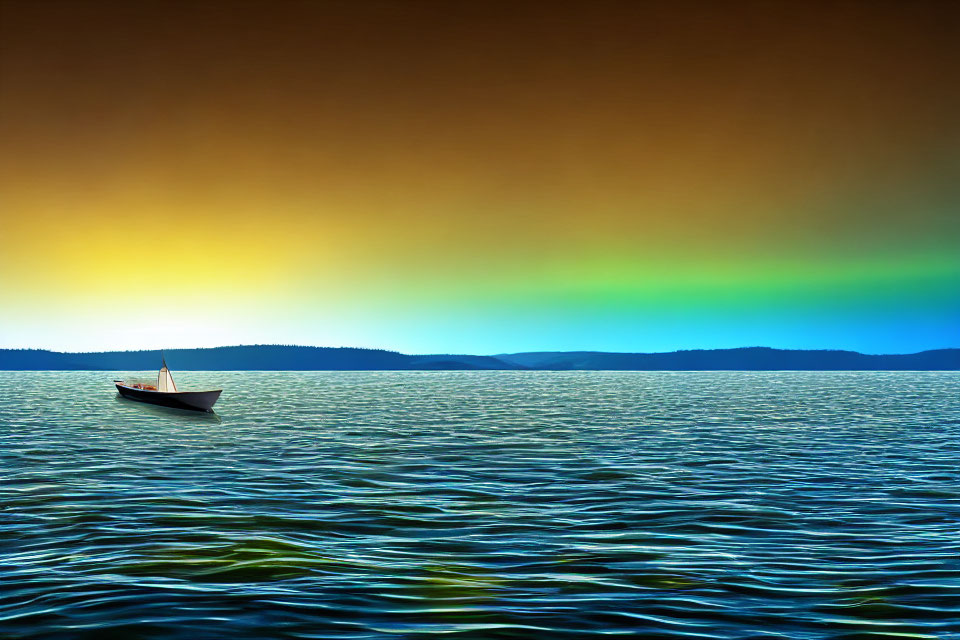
(480, 177)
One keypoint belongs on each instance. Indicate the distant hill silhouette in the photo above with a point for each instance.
(742, 359)
(294, 358)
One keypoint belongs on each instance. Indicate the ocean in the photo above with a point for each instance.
(680, 505)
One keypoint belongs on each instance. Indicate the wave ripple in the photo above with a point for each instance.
(484, 505)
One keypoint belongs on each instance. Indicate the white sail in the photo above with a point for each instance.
(165, 380)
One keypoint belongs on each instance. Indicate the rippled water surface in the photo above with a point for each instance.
(484, 505)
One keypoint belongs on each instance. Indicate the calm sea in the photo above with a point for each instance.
(484, 505)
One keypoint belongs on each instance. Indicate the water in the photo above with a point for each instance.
(484, 505)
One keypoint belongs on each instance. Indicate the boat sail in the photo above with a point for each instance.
(165, 381)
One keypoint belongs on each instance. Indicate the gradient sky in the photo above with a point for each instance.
(480, 176)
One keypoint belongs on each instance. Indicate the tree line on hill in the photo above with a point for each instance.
(296, 358)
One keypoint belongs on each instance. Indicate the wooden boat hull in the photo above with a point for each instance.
(191, 400)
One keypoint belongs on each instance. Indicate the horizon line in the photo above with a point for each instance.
(500, 353)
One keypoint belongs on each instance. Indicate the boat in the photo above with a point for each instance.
(166, 394)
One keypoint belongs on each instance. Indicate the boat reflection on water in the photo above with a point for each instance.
(190, 415)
